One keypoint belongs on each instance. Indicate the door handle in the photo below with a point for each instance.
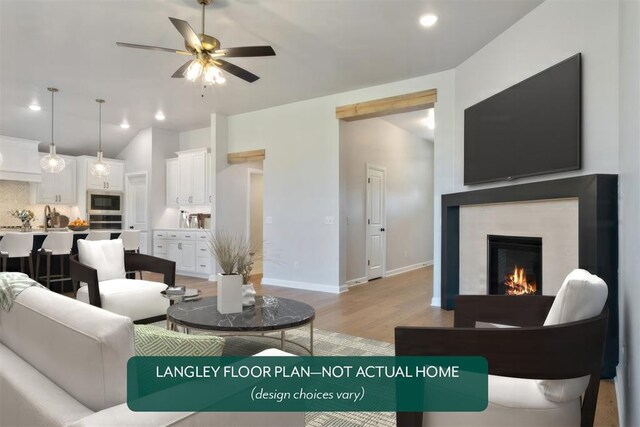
(382, 229)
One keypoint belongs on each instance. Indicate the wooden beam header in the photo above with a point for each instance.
(246, 156)
(385, 106)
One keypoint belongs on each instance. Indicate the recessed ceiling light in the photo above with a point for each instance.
(124, 125)
(160, 116)
(428, 20)
(35, 107)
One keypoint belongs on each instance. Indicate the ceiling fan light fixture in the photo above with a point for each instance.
(213, 75)
(194, 71)
(52, 163)
(100, 168)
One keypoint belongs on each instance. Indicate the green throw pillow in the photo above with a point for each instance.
(154, 341)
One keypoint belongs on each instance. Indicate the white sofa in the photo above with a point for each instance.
(63, 363)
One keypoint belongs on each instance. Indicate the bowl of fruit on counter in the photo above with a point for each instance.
(78, 225)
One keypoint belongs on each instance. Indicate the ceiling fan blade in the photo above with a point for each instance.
(162, 49)
(236, 71)
(245, 51)
(187, 32)
(180, 71)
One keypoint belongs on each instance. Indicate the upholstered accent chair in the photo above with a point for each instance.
(100, 268)
(543, 370)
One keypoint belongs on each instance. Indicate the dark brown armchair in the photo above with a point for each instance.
(531, 351)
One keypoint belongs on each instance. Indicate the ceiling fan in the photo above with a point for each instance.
(207, 55)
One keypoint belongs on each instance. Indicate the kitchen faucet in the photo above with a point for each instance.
(47, 217)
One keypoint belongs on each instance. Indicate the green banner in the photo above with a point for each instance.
(404, 384)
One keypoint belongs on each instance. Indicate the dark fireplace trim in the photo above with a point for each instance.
(597, 235)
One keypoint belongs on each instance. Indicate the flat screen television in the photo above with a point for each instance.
(531, 128)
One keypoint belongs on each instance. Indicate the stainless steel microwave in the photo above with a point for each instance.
(104, 202)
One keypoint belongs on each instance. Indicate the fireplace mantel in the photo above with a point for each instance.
(597, 234)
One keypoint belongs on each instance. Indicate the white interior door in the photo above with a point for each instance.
(376, 222)
(136, 209)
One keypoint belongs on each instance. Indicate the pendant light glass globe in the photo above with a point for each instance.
(52, 163)
(100, 168)
(194, 70)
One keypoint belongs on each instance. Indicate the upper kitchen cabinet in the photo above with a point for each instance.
(21, 160)
(173, 182)
(192, 166)
(58, 188)
(112, 182)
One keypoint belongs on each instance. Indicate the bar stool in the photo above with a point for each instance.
(57, 243)
(98, 235)
(131, 242)
(17, 245)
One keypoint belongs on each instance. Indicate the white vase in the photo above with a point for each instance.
(229, 293)
(248, 295)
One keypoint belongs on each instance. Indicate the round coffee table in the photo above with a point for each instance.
(268, 314)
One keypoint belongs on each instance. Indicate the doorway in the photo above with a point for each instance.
(255, 212)
(136, 206)
(376, 242)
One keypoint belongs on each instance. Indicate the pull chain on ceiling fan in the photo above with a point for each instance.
(207, 55)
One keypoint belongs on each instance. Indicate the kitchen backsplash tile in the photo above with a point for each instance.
(17, 195)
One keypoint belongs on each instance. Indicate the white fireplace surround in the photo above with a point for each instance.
(556, 221)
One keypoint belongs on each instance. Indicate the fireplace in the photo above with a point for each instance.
(514, 265)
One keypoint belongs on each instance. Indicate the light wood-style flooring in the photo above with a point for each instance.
(374, 309)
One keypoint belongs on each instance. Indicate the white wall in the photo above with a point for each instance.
(165, 145)
(146, 153)
(197, 138)
(554, 31)
(232, 195)
(628, 376)
(301, 178)
(408, 161)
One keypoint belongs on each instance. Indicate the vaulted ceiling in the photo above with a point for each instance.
(322, 46)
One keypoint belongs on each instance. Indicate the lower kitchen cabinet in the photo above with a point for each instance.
(187, 248)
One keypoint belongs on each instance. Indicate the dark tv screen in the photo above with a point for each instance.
(531, 128)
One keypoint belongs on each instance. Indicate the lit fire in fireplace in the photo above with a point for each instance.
(516, 283)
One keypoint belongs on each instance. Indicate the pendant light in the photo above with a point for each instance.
(100, 167)
(52, 163)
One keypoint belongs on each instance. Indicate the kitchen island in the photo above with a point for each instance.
(39, 234)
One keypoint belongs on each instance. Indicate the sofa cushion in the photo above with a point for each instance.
(582, 296)
(512, 401)
(81, 348)
(106, 256)
(28, 398)
(136, 299)
(155, 341)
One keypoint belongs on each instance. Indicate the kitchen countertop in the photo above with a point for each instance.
(182, 229)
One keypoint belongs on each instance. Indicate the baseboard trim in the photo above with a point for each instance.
(619, 387)
(436, 302)
(304, 285)
(356, 282)
(408, 268)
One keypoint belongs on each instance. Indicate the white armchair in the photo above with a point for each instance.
(101, 266)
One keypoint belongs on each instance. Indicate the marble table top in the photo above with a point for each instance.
(268, 314)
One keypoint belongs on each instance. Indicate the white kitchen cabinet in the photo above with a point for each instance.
(187, 248)
(172, 183)
(58, 188)
(112, 182)
(192, 167)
